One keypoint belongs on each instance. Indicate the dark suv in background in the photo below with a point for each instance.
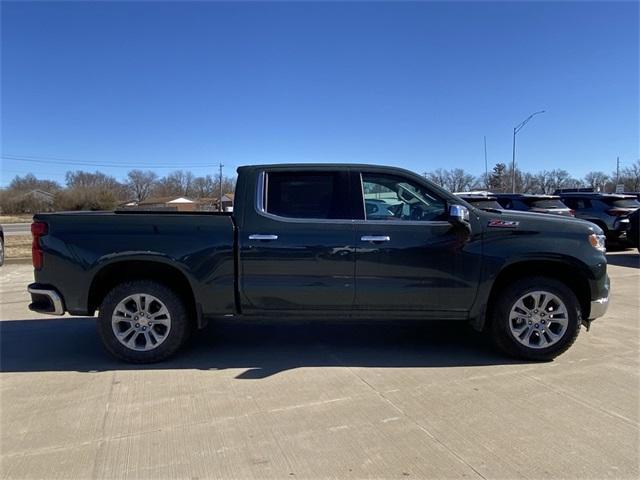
(609, 211)
(534, 203)
(481, 199)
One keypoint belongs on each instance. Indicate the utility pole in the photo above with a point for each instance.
(516, 129)
(220, 199)
(617, 171)
(424, 174)
(486, 171)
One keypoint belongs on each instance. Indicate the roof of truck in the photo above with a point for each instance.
(321, 166)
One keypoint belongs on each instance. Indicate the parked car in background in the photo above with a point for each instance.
(633, 194)
(534, 203)
(607, 210)
(379, 209)
(633, 234)
(1, 246)
(481, 199)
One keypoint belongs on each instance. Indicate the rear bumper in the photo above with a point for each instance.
(45, 299)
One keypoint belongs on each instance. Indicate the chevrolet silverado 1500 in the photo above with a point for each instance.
(345, 241)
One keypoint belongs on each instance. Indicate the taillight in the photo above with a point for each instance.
(38, 229)
(617, 213)
(572, 213)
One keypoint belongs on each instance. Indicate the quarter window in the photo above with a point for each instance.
(389, 197)
(320, 195)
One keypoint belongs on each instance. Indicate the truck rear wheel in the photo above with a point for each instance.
(535, 318)
(142, 322)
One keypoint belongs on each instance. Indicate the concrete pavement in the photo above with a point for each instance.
(16, 228)
(305, 400)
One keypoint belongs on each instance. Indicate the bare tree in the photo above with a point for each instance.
(30, 182)
(439, 177)
(141, 183)
(203, 187)
(630, 177)
(176, 183)
(559, 179)
(596, 180)
(80, 178)
(529, 183)
(457, 180)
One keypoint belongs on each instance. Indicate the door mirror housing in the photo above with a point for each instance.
(459, 216)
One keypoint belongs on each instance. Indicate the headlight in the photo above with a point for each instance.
(597, 242)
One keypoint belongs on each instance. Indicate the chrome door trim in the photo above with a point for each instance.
(259, 236)
(375, 238)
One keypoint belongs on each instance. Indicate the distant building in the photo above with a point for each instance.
(180, 204)
(183, 204)
(227, 202)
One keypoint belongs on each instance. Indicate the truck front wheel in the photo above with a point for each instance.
(535, 318)
(142, 322)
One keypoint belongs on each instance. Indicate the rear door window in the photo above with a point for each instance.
(547, 203)
(309, 195)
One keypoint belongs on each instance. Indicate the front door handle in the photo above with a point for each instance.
(375, 238)
(257, 236)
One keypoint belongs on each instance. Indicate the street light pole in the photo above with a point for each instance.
(516, 129)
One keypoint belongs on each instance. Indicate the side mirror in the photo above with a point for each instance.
(459, 216)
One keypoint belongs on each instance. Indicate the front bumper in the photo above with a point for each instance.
(598, 307)
(45, 299)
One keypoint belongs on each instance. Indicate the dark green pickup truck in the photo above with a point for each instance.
(323, 241)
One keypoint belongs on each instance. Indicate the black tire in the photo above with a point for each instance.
(499, 321)
(179, 321)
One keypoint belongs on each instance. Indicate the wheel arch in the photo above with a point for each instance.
(114, 273)
(570, 274)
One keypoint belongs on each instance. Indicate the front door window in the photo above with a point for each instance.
(388, 197)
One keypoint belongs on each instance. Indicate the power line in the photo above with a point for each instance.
(221, 209)
(58, 161)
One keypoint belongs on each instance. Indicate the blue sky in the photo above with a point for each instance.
(416, 85)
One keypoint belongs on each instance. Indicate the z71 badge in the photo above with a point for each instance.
(503, 223)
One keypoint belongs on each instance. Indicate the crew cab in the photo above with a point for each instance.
(323, 241)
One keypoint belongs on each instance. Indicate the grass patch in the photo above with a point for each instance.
(17, 246)
(16, 218)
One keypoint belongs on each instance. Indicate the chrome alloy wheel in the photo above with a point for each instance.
(538, 319)
(141, 322)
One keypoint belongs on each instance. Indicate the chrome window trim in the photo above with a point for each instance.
(432, 223)
(261, 191)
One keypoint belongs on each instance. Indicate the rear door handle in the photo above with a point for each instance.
(375, 238)
(257, 236)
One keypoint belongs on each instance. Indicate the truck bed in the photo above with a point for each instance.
(80, 246)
